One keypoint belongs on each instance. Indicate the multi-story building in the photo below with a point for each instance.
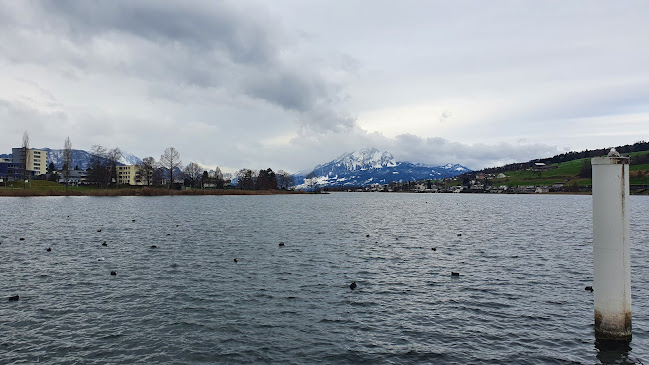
(129, 175)
(75, 177)
(9, 171)
(34, 161)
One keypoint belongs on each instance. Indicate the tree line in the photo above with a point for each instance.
(570, 156)
(168, 171)
(248, 179)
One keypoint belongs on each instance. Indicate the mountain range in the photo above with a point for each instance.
(370, 166)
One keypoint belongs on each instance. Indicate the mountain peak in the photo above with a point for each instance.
(364, 159)
(371, 166)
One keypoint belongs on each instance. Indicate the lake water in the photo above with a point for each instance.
(524, 261)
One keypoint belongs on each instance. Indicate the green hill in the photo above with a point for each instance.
(571, 173)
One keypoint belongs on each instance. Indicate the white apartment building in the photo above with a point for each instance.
(36, 160)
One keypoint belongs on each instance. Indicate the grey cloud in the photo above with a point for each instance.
(405, 147)
(291, 90)
(199, 25)
(17, 117)
(207, 45)
(439, 151)
(247, 76)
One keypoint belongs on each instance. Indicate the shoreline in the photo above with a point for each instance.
(16, 192)
(139, 192)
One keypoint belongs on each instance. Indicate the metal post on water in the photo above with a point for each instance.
(611, 257)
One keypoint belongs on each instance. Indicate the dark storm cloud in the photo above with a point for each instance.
(203, 26)
(215, 45)
(288, 89)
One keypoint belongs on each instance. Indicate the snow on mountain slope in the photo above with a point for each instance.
(371, 166)
(81, 158)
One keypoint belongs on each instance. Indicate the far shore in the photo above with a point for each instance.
(137, 192)
(160, 191)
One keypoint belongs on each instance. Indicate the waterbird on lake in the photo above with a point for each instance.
(99, 230)
(154, 246)
(453, 273)
(104, 244)
(49, 249)
(281, 243)
(168, 234)
(133, 220)
(459, 234)
(100, 259)
(21, 239)
(113, 273)
(235, 260)
(353, 285)
(589, 288)
(434, 248)
(14, 298)
(367, 235)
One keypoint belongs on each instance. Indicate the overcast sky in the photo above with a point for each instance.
(289, 84)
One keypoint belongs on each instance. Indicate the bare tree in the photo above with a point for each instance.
(311, 181)
(114, 156)
(103, 165)
(217, 176)
(24, 158)
(67, 160)
(193, 172)
(285, 180)
(98, 171)
(246, 179)
(145, 170)
(170, 160)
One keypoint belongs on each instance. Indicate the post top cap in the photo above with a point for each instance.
(613, 158)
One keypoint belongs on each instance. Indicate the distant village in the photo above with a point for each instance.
(469, 183)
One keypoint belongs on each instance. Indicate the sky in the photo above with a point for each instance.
(289, 84)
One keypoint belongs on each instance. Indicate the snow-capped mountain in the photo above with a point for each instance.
(82, 158)
(371, 166)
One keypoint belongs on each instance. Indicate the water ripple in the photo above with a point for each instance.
(523, 263)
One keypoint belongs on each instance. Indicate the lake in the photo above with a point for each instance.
(523, 260)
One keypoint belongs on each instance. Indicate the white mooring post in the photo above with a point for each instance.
(612, 266)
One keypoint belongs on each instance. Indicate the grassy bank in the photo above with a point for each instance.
(568, 173)
(48, 188)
